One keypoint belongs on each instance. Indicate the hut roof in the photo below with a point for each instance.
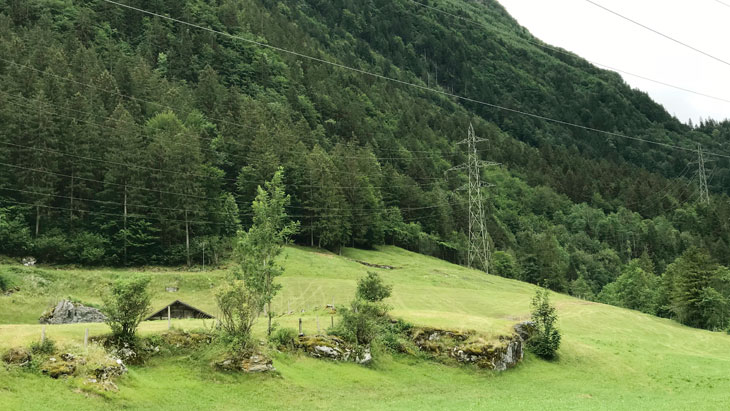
(163, 312)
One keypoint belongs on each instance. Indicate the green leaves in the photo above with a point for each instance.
(126, 305)
(372, 288)
(546, 339)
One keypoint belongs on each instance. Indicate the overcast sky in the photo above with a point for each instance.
(602, 37)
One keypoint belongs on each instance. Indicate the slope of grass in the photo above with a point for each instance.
(611, 358)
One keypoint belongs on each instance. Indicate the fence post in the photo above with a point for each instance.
(86, 338)
(168, 318)
(332, 317)
(300, 326)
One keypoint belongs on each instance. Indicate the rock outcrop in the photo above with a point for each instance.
(468, 348)
(333, 348)
(68, 312)
(253, 363)
(525, 329)
(59, 367)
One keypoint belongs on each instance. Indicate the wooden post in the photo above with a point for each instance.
(332, 317)
(86, 338)
(300, 326)
(43, 334)
(168, 318)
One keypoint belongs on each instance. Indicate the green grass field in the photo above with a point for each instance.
(611, 358)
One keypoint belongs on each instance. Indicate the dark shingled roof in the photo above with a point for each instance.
(163, 311)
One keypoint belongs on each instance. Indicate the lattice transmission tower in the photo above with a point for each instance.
(702, 176)
(478, 252)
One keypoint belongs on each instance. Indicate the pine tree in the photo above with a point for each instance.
(330, 221)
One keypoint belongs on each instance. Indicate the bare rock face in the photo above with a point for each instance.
(66, 312)
(525, 329)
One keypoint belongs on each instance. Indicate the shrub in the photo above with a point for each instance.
(393, 336)
(4, 283)
(284, 337)
(126, 305)
(89, 248)
(372, 288)
(47, 346)
(546, 339)
(360, 323)
(53, 246)
(239, 308)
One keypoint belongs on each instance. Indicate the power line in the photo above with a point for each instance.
(658, 33)
(406, 209)
(406, 83)
(237, 143)
(131, 205)
(172, 108)
(129, 215)
(205, 176)
(567, 53)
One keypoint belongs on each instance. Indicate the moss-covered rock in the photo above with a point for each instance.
(333, 348)
(469, 348)
(184, 339)
(248, 363)
(56, 368)
(17, 356)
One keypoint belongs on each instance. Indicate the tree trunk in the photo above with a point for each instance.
(268, 332)
(124, 246)
(71, 208)
(37, 220)
(187, 237)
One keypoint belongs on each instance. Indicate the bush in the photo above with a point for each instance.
(53, 246)
(393, 336)
(4, 283)
(88, 248)
(360, 323)
(126, 305)
(372, 288)
(546, 339)
(284, 337)
(239, 309)
(47, 346)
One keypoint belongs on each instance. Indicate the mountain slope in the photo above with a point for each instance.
(611, 358)
(130, 139)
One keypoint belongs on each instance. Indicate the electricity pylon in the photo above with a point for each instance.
(479, 252)
(704, 191)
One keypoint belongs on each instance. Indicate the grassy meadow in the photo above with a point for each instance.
(611, 358)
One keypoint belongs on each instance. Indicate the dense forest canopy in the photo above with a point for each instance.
(131, 139)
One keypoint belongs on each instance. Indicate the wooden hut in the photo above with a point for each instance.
(178, 309)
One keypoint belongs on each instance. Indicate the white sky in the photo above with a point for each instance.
(602, 37)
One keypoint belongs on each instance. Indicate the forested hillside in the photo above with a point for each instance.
(129, 139)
